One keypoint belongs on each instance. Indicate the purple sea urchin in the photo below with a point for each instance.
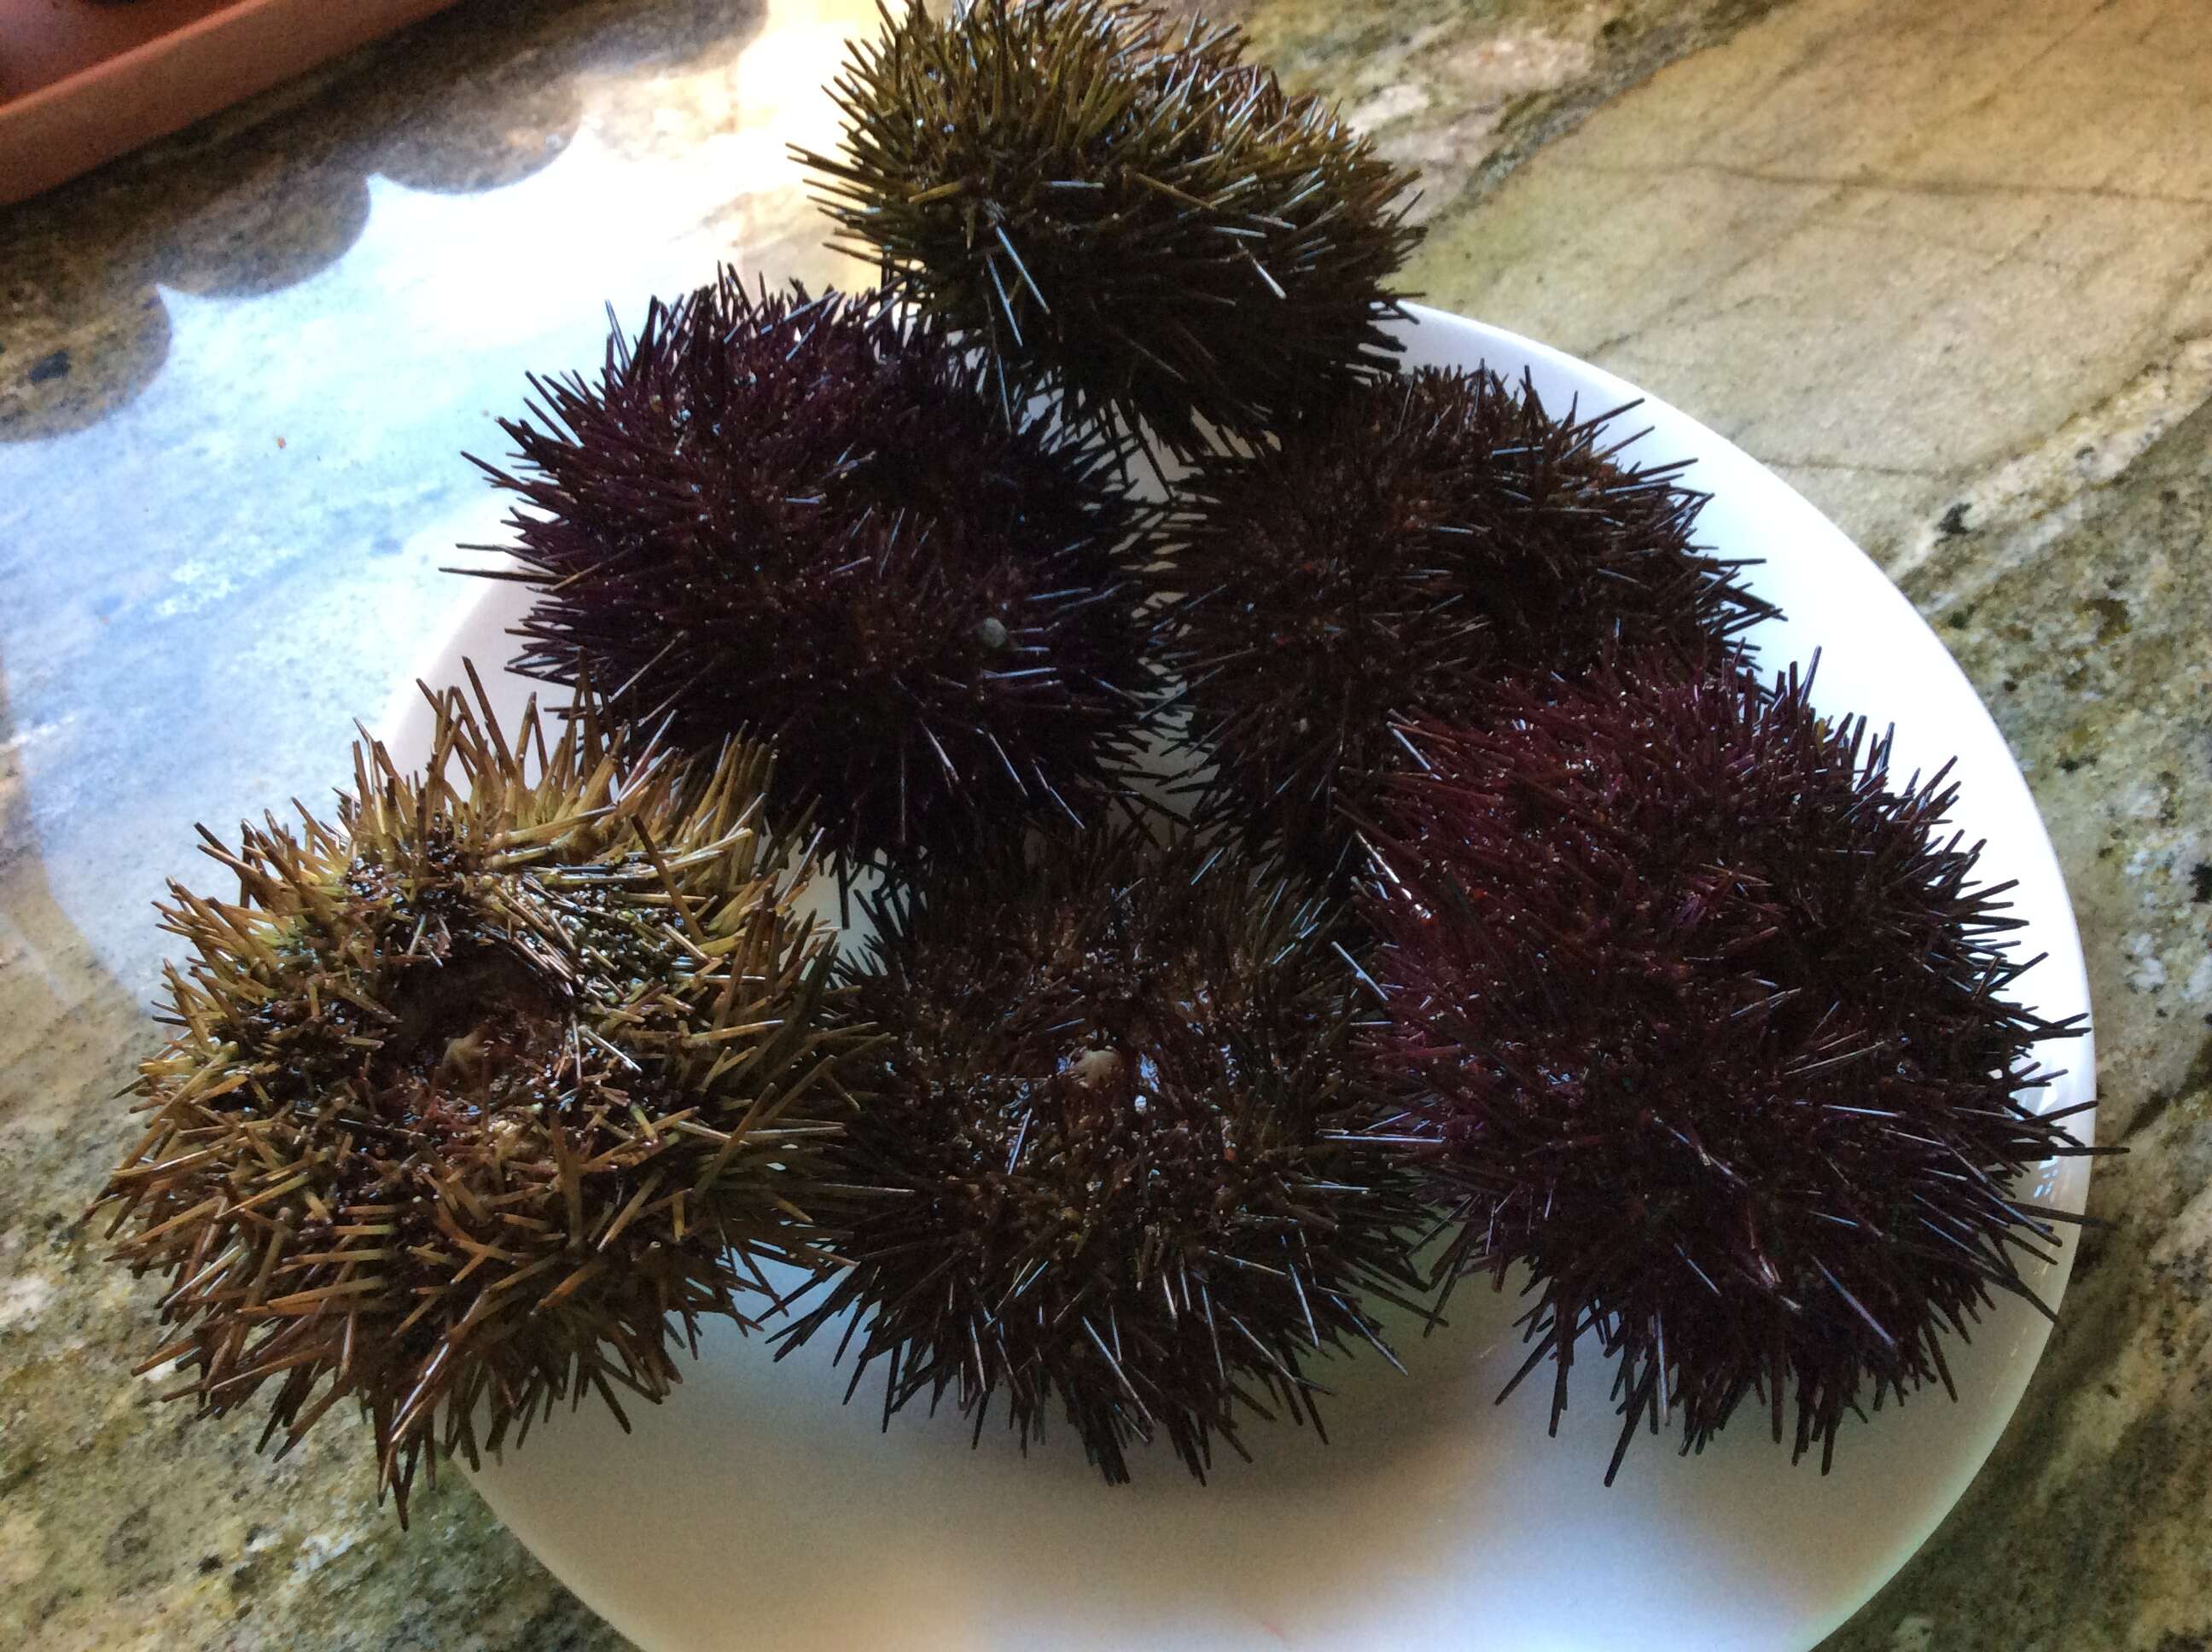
(805, 519)
(1713, 1035)
(1404, 552)
(1130, 218)
(1106, 1170)
(474, 1093)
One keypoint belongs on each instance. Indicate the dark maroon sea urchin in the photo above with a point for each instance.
(1715, 1039)
(1405, 552)
(1131, 218)
(807, 519)
(1106, 1169)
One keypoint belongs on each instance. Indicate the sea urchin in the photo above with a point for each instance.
(1714, 1036)
(1131, 218)
(1404, 552)
(472, 1094)
(1107, 1169)
(804, 519)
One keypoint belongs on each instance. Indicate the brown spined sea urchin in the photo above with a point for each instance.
(1128, 217)
(1405, 552)
(1108, 1170)
(1715, 1036)
(476, 1092)
(804, 519)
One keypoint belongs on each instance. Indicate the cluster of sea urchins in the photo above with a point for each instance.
(807, 519)
(1131, 218)
(474, 1093)
(1408, 549)
(1711, 1033)
(477, 1096)
(1111, 1164)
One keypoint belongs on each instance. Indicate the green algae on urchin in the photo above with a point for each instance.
(1112, 1166)
(474, 1093)
(1128, 216)
(1407, 551)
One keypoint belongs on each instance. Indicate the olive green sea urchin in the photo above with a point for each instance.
(1106, 1168)
(1133, 219)
(473, 1094)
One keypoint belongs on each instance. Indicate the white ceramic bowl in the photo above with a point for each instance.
(754, 1511)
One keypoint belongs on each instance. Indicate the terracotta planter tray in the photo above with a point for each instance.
(84, 81)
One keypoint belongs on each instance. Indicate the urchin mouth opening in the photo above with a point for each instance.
(481, 1033)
